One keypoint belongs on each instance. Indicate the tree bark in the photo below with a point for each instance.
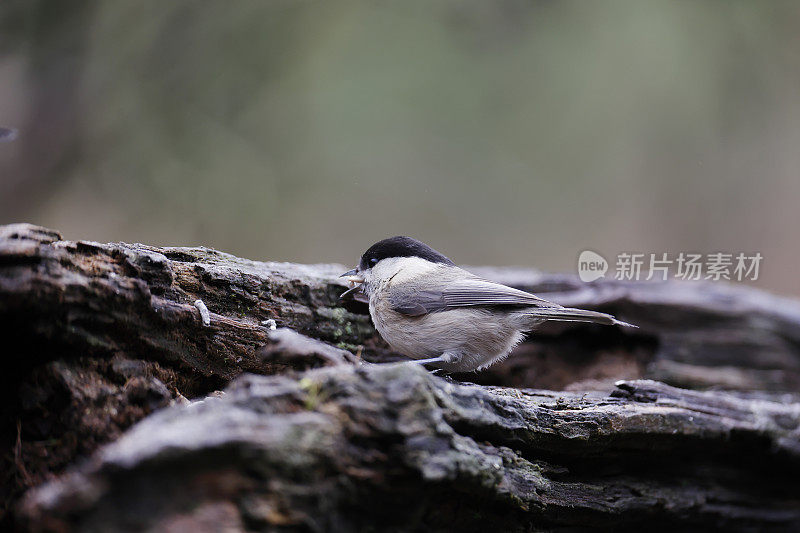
(101, 336)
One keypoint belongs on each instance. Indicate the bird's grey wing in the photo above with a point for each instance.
(471, 292)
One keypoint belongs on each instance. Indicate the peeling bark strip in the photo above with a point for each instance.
(99, 336)
(342, 448)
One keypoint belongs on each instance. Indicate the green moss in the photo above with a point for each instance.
(339, 314)
(350, 347)
(314, 393)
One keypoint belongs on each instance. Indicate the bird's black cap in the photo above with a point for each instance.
(400, 247)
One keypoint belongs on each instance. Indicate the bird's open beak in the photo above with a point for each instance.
(353, 277)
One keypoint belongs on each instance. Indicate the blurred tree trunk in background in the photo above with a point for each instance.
(56, 37)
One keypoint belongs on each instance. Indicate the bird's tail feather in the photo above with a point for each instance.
(568, 314)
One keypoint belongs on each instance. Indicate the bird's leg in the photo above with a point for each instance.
(430, 360)
(446, 357)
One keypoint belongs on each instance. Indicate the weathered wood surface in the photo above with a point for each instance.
(346, 448)
(98, 336)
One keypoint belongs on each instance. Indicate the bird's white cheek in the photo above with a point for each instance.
(401, 269)
(369, 281)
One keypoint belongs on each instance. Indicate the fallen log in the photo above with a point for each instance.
(394, 447)
(102, 335)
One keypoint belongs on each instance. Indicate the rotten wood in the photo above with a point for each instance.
(394, 447)
(100, 336)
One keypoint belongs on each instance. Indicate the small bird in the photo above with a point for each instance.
(432, 311)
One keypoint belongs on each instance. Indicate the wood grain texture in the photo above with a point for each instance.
(98, 337)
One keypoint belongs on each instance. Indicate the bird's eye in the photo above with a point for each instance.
(373, 261)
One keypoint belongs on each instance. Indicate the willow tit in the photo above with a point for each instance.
(432, 311)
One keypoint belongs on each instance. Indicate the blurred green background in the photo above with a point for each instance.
(503, 132)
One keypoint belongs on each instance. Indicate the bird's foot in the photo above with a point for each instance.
(446, 358)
